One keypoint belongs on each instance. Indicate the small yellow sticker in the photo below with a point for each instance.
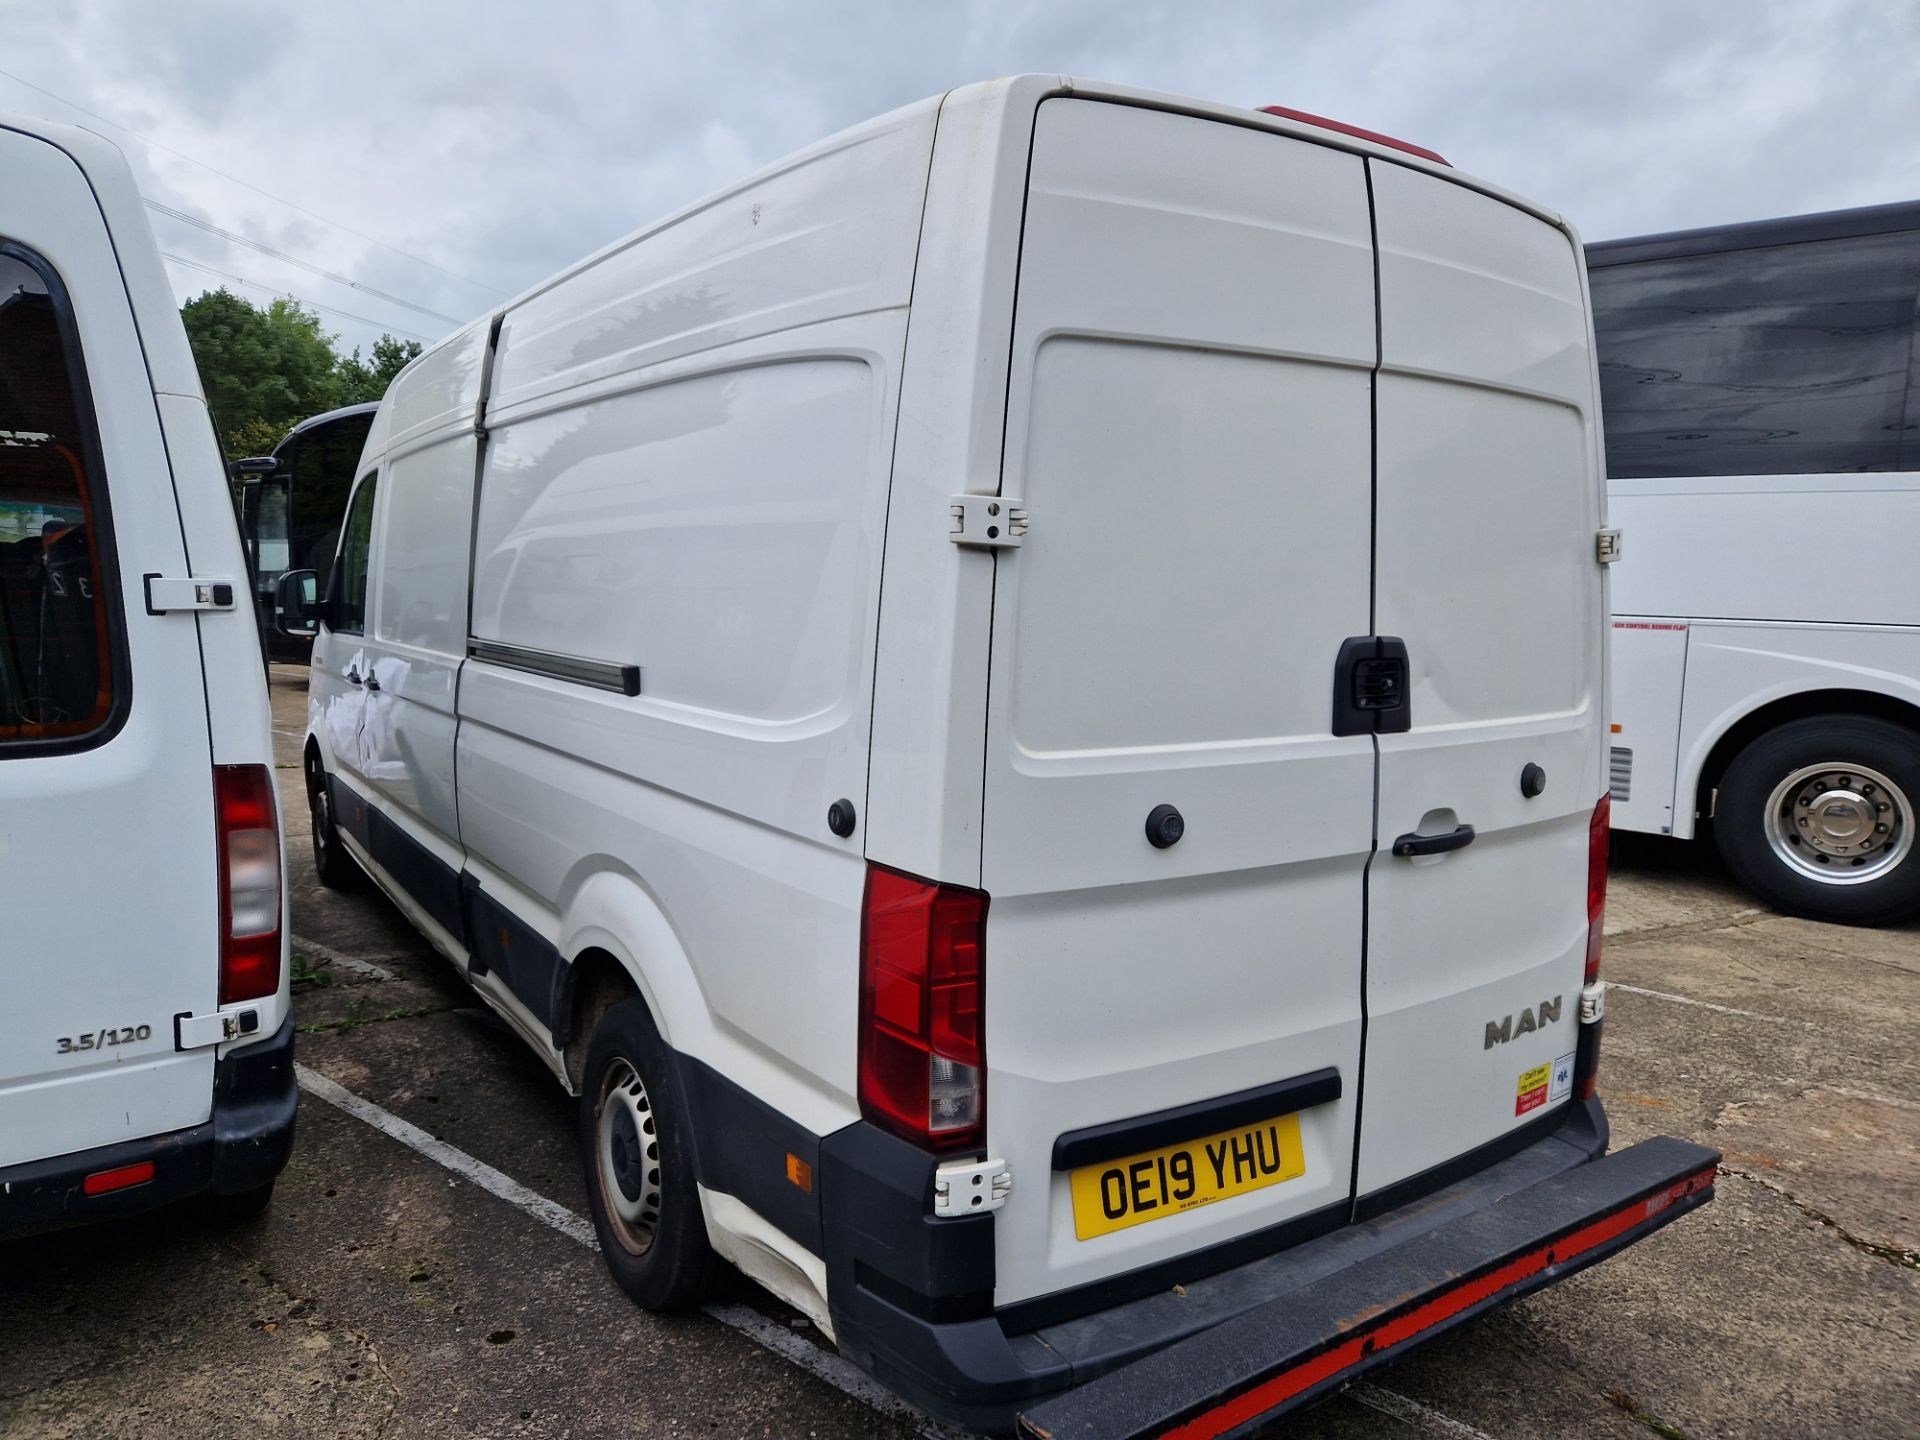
(1531, 1093)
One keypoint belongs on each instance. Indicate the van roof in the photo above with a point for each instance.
(1028, 91)
(169, 360)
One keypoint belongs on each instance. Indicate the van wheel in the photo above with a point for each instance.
(238, 1208)
(1818, 818)
(331, 862)
(639, 1164)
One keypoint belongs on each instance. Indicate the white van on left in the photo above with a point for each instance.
(146, 1037)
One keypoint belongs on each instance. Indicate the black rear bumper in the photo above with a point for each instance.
(243, 1146)
(1246, 1373)
(1302, 1312)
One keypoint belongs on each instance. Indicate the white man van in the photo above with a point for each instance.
(146, 1038)
(1016, 704)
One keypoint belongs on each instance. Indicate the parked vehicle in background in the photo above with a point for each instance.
(708, 643)
(146, 1036)
(1761, 388)
(291, 505)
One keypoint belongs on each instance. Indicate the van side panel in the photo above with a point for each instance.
(686, 472)
(1189, 428)
(1489, 498)
(826, 234)
(930, 683)
(417, 630)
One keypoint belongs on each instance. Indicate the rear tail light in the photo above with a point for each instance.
(1354, 130)
(1597, 831)
(1586, 1066)
(249, 847)
(923, 1070)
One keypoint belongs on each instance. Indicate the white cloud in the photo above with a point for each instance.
(504, 141)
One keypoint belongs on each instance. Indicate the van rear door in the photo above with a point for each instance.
(1488, 506)
(108, 886)
(1189, 427)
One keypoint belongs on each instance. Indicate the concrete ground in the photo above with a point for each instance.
(386, 1294)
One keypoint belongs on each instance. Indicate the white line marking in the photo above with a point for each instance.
(1421, 1417)
(1706, 1004)
(764, 1331)
(840, 1374)
(478, 1171)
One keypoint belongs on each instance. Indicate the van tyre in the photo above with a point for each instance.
(1818, 818)
(239, 1208)
(638, 1156)
(336, 868)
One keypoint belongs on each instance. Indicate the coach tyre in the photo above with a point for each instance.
(1818, 818)
(639, 1170)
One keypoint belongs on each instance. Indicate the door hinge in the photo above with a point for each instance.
(1606, 546)
(970, 1187)
(987, 521)
(1593, 1003)
(194, 1032)
(166, 593)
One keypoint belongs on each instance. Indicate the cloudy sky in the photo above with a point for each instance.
(493, 143)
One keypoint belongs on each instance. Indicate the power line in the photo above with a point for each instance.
(248, 185)
(273, 290)
(265, 249)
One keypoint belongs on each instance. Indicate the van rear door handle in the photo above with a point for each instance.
(353, 674)
(373, 680)
(1408, 846)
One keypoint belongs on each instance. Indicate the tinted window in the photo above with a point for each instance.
(57, 673)
(351, 573)
(321, 461)
(1777, 360)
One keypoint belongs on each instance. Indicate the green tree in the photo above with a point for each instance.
(263, 369)
(361, 381)
(266, 368)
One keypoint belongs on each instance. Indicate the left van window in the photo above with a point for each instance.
(59, 683)
(356, 540)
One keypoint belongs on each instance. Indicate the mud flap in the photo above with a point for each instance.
(1243, 1375)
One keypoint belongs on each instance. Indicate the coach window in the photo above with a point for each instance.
(1775, 360)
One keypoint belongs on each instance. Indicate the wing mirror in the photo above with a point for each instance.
(296, 604)
(252, 468)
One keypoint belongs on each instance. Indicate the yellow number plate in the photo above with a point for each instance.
(1140, 1188)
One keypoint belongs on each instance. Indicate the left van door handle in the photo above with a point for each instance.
(1458, 838)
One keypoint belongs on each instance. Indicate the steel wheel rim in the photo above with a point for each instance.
(1839, 824)
(626, 1153)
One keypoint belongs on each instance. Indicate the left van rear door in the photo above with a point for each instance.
(1189, 428)
(108, 881)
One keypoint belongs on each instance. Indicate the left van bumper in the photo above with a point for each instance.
(243, 1146)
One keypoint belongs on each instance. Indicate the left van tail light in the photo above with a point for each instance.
(249, 846)
(923, 1069)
